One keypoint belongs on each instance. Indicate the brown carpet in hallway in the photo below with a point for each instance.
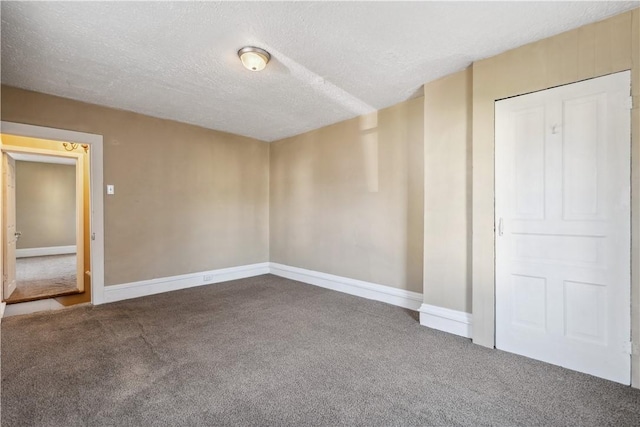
(44, 277)
(268, 351)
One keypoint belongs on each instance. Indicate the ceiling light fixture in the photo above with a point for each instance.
(254, 58)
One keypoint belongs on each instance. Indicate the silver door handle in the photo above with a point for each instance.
(17, 234)
(500, 227)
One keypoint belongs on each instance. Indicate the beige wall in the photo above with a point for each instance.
(459, 126)
(45, 204)
(347, 199)
(447, 192)
(590, 51)
(187, 199)
(459, 133)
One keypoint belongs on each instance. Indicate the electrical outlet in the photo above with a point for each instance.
(207, 278)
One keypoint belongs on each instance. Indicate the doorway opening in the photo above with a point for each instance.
(94, 280)
(45, 220)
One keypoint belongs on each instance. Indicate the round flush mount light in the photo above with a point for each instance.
(254, 58)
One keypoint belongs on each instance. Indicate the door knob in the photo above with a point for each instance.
(17, 234)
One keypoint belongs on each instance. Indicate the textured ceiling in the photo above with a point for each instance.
(330, 61)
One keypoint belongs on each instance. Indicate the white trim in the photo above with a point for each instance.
(16, 150)
(29, 307)
(80, 223)
(166, 284)
(113, 293)
(447, 320)
(96, 181)
(33, 131)
(43, 158)
(51, 250)
(3, 306)
(374, 291)
(78, 162)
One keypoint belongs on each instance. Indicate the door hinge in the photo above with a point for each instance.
(93, 236)
(630, 103)
(627, 347)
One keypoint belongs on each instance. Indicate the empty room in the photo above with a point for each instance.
(320, 213)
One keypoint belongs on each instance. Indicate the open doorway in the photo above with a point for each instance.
(45, 240)
(46, 195)
(94, 212)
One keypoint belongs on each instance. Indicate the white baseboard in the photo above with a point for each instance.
(388, 294)
(450, 320)
(32, 307)
(447, 320)
(52, 250)
(165, 284)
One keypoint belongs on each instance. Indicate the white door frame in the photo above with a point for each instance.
(79, 196)
(5, 241)
(96, 183)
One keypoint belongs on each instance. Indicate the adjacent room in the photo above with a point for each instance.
(320, 213)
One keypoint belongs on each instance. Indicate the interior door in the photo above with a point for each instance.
(563, 226)
(10, 236)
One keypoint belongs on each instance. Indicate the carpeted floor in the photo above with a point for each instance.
(270, 351)
(44, 277)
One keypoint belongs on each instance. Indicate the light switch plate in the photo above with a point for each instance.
(111, 189)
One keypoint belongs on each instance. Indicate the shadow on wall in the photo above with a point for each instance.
(415, 195)
(346, 199)
(469, 190)
(411, 130)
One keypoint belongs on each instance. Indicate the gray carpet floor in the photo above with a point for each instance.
(271, 351)
(44, 277)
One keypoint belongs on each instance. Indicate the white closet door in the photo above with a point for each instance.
(563, 226)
